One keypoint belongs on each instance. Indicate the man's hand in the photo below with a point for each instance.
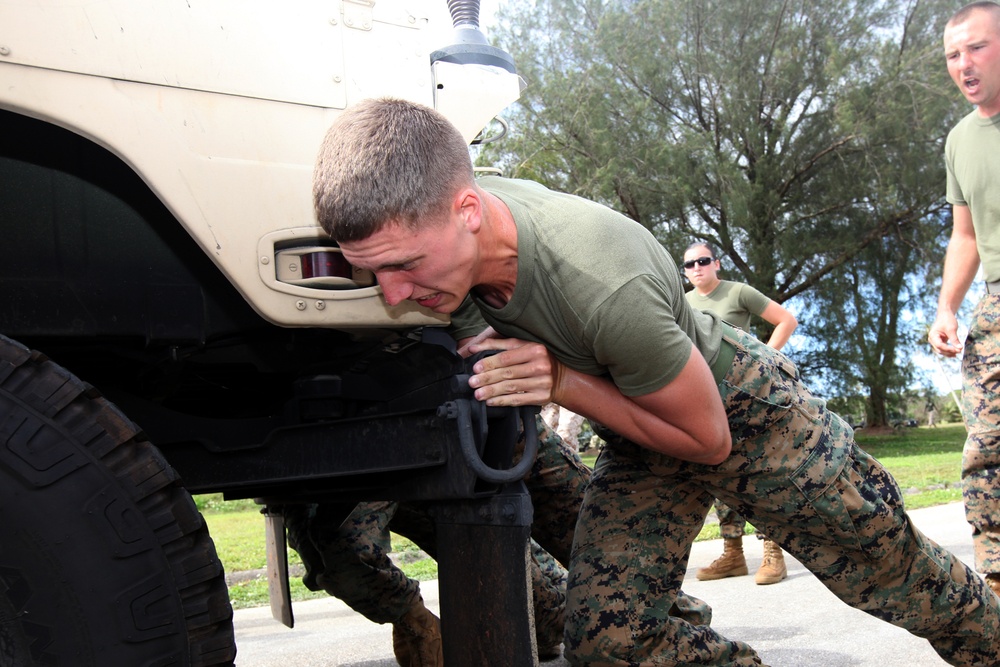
(961, 262)
(943, 335)
(465, 343)
(521, 373)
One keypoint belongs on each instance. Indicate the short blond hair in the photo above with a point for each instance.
(387, 161)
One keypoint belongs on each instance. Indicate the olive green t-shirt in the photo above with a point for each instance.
(733, 302)
(972, 155)
(597, 289)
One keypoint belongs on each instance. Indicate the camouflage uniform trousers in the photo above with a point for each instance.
(981, 412)
(731, 524)
(553, 480)
(794, 471)
(350, 560)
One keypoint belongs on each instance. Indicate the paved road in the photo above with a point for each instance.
(796, 623)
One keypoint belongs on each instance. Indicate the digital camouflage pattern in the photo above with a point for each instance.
(351, 560)
(731, 524)
(981, 412)
(557, 482)
(796, 473)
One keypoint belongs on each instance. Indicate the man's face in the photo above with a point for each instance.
(972, 52)
(431, 266)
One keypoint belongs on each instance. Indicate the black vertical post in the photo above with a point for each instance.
(487, 616)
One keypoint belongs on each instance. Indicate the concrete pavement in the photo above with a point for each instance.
(796, 623)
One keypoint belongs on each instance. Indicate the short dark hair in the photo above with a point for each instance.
(387, 161)
(965, 12)
(706, 244)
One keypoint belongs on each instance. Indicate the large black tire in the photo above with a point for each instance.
(104, 558)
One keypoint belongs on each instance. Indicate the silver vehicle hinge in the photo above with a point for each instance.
(358, 14)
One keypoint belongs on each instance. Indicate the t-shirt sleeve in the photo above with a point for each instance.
(467, 321)
(753, 300)
(953, 191)
(636, 337)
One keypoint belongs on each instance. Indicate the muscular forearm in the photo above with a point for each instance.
(960, 266)
(959, 272)
(599, 399)
(961, 262)
(684, 419)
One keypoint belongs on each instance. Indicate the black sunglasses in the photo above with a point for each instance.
(701, 261)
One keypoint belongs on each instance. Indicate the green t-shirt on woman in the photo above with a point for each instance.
(731, 301)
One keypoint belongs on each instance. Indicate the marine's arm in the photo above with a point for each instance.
(782, 320)
(960, 265)
(684, 419)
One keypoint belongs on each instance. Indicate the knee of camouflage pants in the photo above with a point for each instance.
(297, 529)
(631, 550)
(556, 482)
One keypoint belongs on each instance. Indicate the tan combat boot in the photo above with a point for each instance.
(732, 562)
(772, 568)
(416, 638)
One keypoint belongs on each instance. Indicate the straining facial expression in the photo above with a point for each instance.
(430, 265)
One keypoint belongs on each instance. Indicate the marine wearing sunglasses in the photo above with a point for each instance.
(701, 261)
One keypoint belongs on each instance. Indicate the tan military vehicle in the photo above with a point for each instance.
(173, 321)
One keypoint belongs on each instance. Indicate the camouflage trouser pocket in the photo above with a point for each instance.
(800, 471)
(855, 500)
(759, 389)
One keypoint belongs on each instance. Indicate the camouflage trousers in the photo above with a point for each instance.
(558, 476)
(350, 559)
(981, 412)
(795, 472)
(731, 524)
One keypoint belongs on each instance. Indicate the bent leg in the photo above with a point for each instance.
(633, 539)
(350, 560)
(804, 481)
(731, 524)
(548, 585)
(556, 482)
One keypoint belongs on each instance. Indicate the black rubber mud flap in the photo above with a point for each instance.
(104, 558)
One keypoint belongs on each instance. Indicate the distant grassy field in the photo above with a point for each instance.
(925, 461)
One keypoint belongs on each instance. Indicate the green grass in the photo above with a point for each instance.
(919, 457)
(925, 461)
(239, 539)
(253, 593)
